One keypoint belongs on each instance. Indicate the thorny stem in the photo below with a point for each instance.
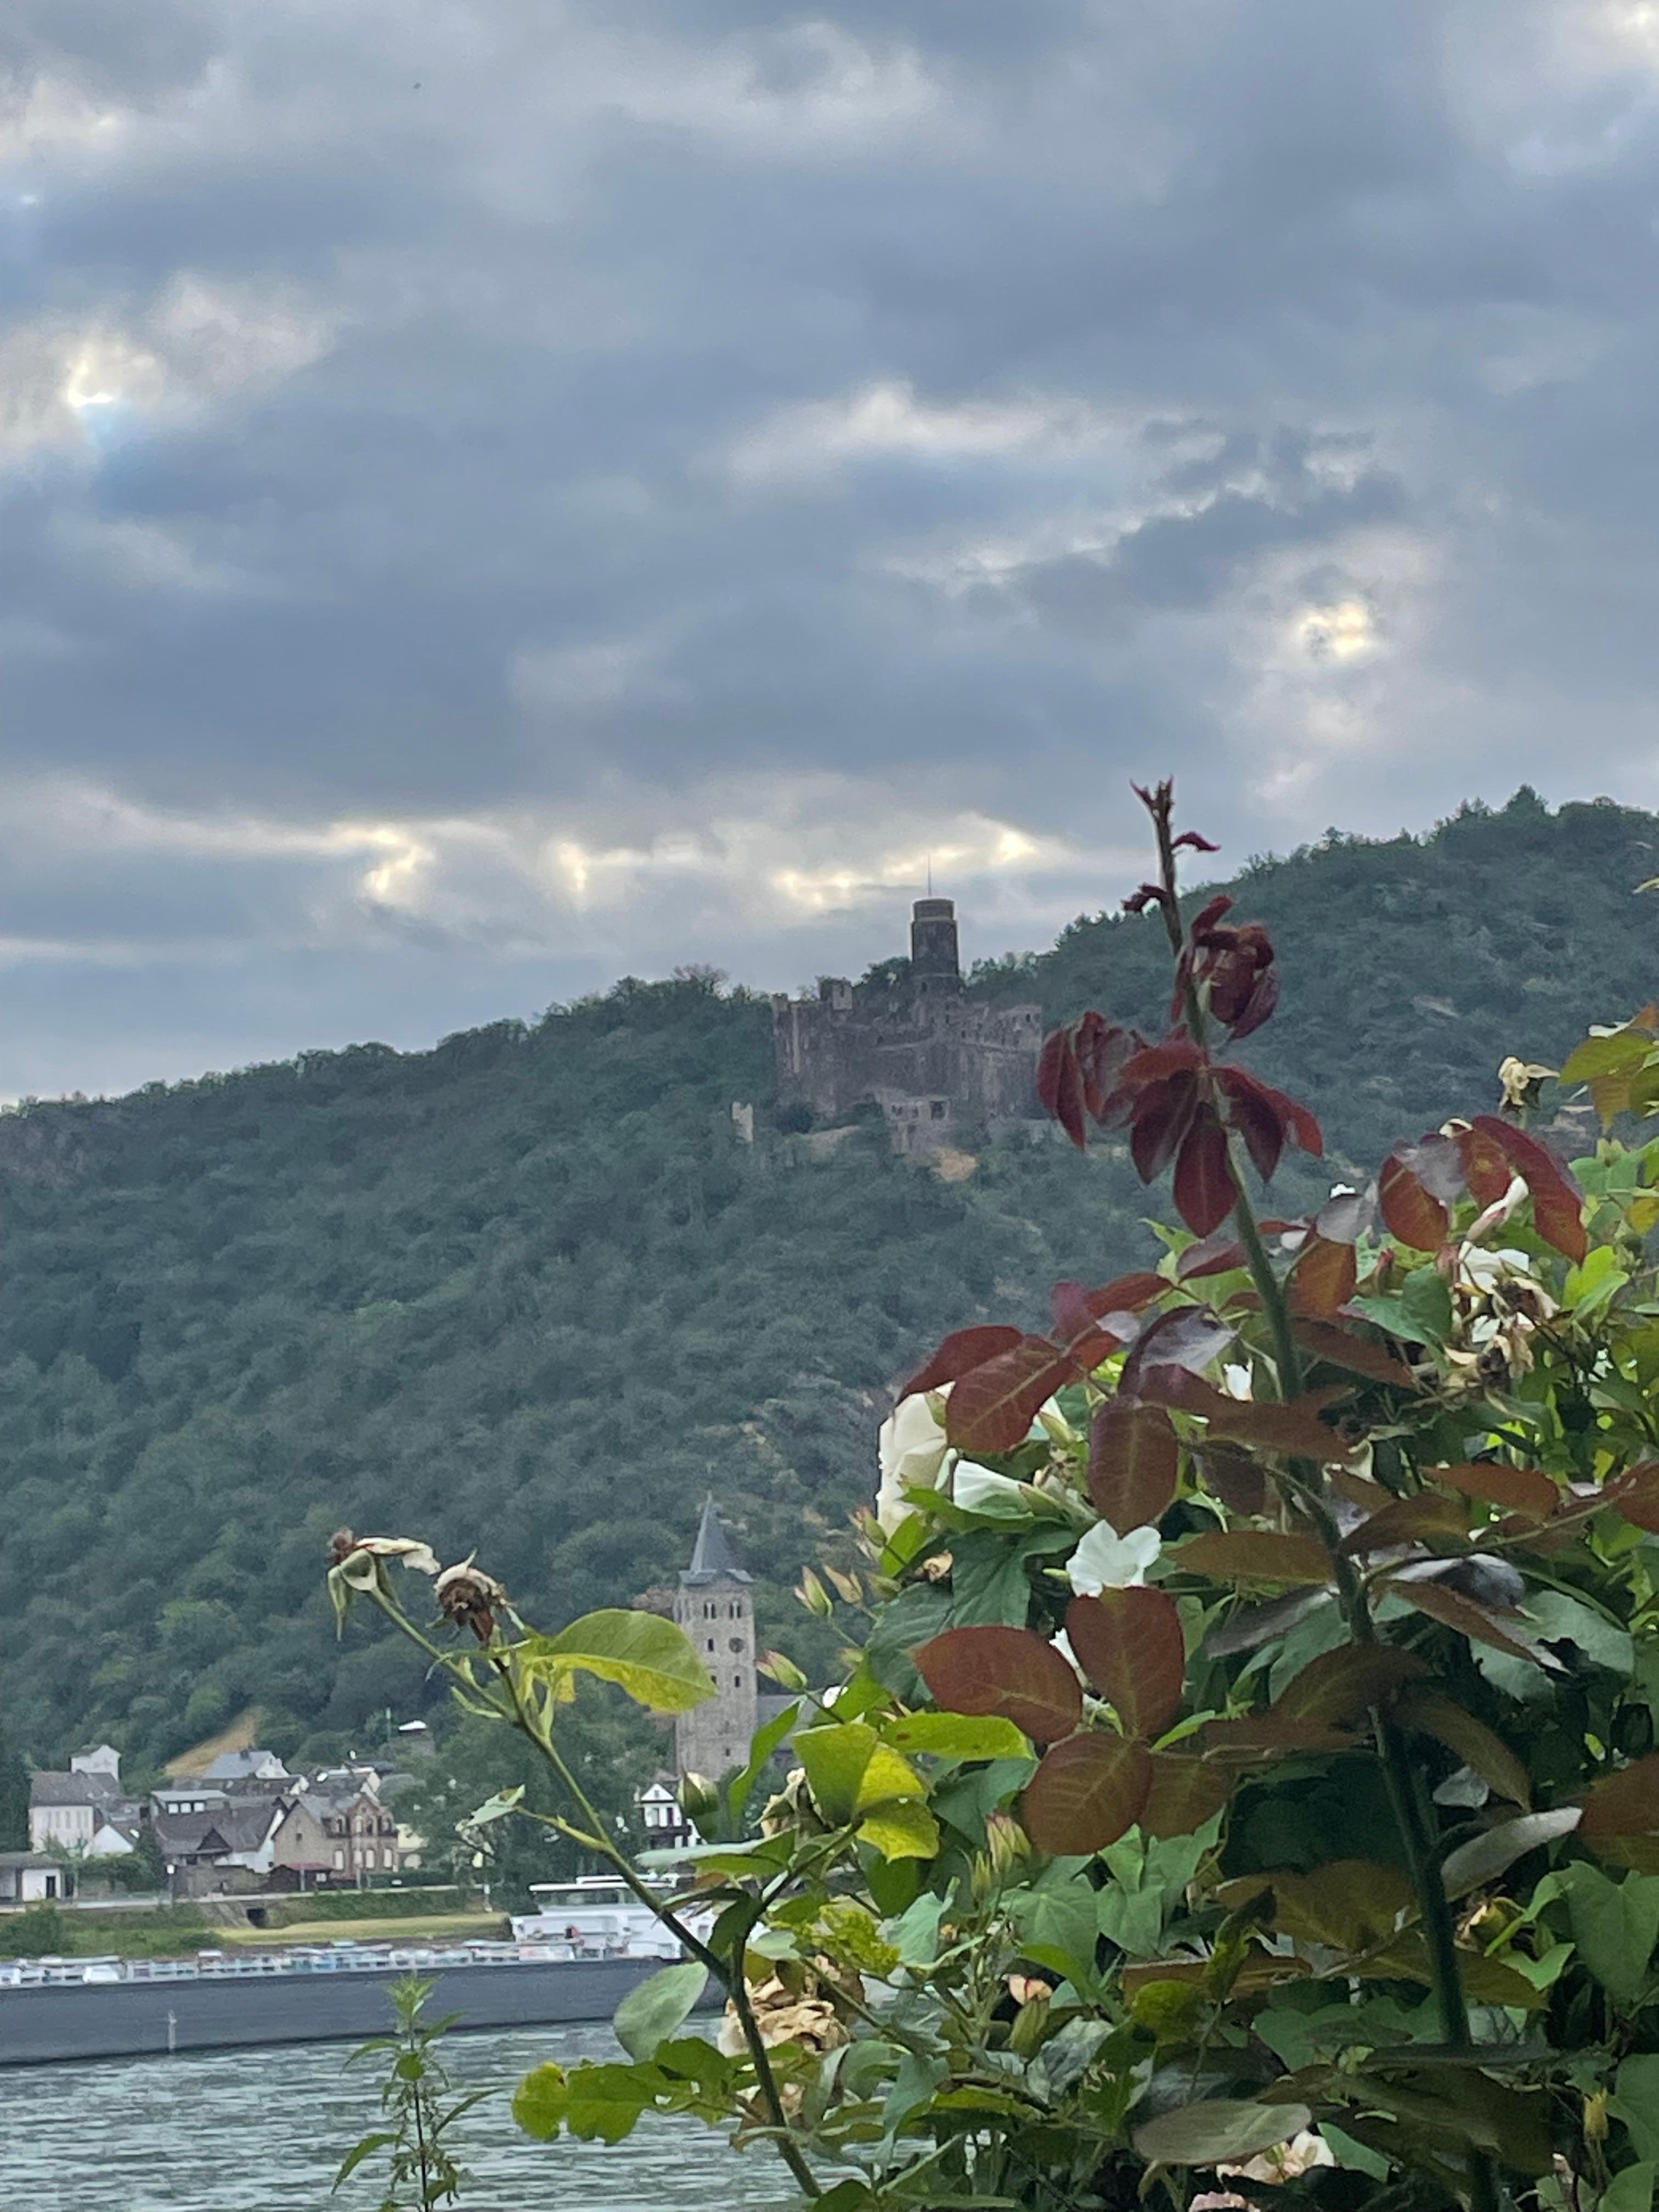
(731, 1978)
(1308, 1483)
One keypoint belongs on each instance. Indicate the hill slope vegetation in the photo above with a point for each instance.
(529, 1292)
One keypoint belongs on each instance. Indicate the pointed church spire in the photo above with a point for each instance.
(713, 1554)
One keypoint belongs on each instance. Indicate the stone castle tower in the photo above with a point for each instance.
(715, 1606)
(939, 1064)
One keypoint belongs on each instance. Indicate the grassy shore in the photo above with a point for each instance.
(179, 1931)
(448, 1927)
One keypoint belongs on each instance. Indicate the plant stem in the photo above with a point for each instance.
(732, 1979)
(1399, 1775)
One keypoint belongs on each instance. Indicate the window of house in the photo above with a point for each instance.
(937, 1110)
(339, 1858)
(736, 1681)
(711, 1643)
(736, 1611)
(737, 1644)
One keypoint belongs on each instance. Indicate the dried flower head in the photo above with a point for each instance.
(470, 1597)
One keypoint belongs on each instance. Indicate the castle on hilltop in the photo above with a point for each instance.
(937, 1064)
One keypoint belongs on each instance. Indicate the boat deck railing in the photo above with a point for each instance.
(265, 1966)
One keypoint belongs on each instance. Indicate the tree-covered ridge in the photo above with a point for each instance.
(1412, 965)
(530, 1288)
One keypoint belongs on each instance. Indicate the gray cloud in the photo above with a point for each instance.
(488, 499)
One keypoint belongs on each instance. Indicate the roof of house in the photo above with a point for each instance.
(47, 1787)
(712, 1556)
(243, 1765)
(27, 1861)
(226, 1829)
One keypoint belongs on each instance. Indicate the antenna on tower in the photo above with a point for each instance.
(930, 875)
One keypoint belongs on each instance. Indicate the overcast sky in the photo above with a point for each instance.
(498, 494)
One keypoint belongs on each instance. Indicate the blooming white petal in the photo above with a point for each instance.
(978, 1490)
(1237, 1379)
(913, 1451)
(1484, 1271)
(1105, 1560)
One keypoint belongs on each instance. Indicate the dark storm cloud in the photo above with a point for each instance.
(488, 497)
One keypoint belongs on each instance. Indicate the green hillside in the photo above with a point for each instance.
(528, 1291)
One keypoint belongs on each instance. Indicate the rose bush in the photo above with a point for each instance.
(1243, 1782)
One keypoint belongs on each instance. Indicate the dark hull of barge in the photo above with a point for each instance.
(133, 2020)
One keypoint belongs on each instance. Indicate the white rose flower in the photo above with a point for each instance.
(978, 1490)
(1105, 1560)
(913, 1451)
(1484, 1271)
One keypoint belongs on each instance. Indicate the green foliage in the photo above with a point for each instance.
(13, 1796)
(530, 1280)
(1323, 1856)
(165, 1932)
(39, 1931)
(1412, 966)
(613, 1750)
(419, 2105)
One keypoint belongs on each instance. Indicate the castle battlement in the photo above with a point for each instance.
(936, 1063)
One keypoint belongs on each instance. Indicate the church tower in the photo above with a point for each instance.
(715, 1606)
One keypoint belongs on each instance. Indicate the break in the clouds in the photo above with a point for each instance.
(493, 495)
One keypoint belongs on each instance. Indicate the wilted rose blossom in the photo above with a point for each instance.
(465, 1594)
(343, 1546)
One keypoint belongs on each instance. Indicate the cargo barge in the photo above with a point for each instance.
(77, 2009)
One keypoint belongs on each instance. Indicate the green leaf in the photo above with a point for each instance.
(915, 1934)
(649, 1657)
(1219, 2130)
(1057, 1923)
(1487, 1855)
(957, 1736)
(1637, 2102)
(903, 1830)
(605, 2102)
(359, 2151)
(1558, 1617)
(848, 1767)
(1421, 1313)
(697, 2062)
(649, 2014)
(1631, 2190)
(540, 2101)
(765, 1743)
(1615, 1925)
(1618, 1053)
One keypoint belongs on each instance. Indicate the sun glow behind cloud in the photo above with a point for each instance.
(777, 857)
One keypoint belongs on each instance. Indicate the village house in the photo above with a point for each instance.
(218, 1848)
(336, 1831)
(84, 1812)
(30, 1878)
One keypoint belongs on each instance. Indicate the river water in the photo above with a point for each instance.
(264, 2131)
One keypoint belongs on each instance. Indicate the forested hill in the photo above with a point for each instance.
(530, 1293)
